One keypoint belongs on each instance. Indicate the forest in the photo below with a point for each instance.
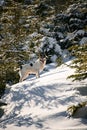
(58, 30)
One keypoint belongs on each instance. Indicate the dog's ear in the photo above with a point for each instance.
(42, 55)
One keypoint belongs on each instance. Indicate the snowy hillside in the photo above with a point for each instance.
(41, 104)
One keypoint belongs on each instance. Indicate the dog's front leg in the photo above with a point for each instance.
(37, 75)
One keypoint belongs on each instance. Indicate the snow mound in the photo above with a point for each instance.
(41, 104)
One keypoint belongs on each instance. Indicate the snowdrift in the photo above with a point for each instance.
(41, 104)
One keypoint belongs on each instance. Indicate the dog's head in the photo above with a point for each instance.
(43, 60)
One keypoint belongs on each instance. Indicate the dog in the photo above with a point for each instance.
(34, 67)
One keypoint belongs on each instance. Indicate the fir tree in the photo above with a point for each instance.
(80, 62)
(11, 53)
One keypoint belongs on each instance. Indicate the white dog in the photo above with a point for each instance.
(32, 68)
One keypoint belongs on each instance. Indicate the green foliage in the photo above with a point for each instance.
(80, 62)
(16, 24)
(59, 61)
(11, 52)
(74, 108)
(1, 112)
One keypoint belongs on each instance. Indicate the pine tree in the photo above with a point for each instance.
(80, 62)
(17, 22)
(11, 52)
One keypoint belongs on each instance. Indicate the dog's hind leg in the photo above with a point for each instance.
(23, 77)
(20, 80)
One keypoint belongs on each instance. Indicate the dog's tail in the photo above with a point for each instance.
(18, 69)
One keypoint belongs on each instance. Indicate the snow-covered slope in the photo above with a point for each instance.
(41, 104)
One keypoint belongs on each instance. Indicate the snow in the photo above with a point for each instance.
(41, 104)
(1, 2)
(74, 34)
(51, 43)
(33, 34)
(80, 32)
(53, 58)
(83, 41)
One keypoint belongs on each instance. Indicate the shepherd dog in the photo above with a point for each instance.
(34, 67)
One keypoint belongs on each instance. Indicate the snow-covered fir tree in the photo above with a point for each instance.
(80, 62)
